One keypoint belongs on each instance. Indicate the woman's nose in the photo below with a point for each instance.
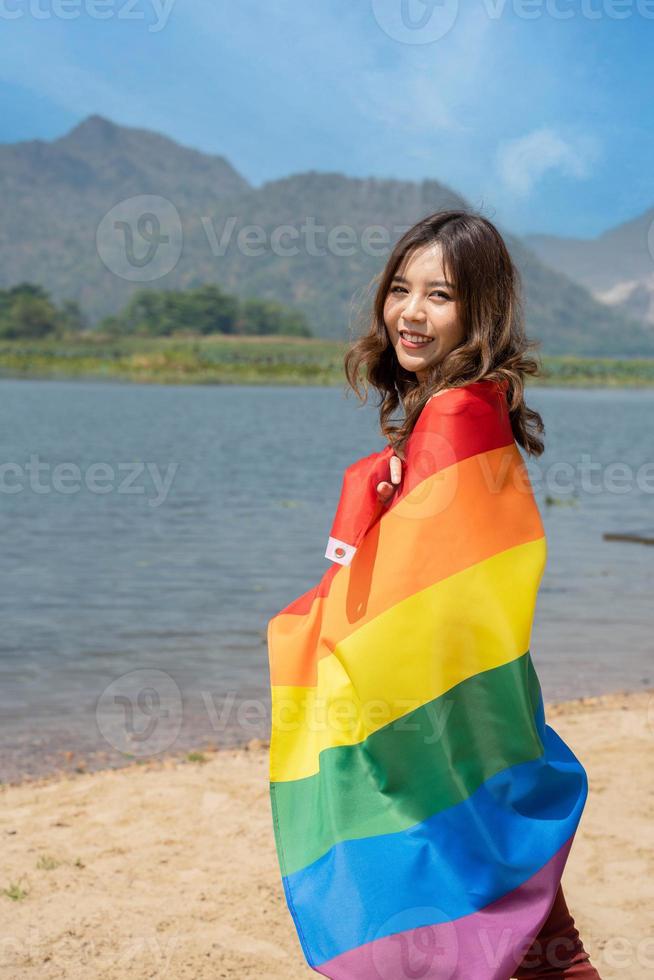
(413, 312)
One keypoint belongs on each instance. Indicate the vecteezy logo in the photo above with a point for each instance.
(140, 713)
(402, 952)
(415, 21)
(140, 238)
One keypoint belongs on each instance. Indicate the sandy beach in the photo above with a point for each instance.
(168, 868)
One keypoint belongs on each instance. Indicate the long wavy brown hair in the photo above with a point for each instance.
(488, 292)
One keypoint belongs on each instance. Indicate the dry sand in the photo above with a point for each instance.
(168, 869)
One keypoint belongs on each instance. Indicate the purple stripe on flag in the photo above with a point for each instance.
(486, 945)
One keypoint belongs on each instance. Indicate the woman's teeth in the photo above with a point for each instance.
(414, 340)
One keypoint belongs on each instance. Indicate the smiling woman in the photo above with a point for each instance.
(423, 808)
(451, 280)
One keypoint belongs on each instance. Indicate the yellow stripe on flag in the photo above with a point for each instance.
(475, 620)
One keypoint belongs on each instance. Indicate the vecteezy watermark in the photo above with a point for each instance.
(423, 941)
(155, 12)
(140, 239)
(99, 478)
(566, 9)
(415, 942)
(622, 952)
(426, 21)
(88, 949)
(584, 475)
(330, 718)
(251, 714)
(346, 716)
(592, 476)
(415, 21)
(503, 472)
(140, 712)
(307, 238)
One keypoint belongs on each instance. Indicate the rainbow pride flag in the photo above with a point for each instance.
(423, 810)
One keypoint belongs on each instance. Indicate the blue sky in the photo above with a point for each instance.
(539, 113)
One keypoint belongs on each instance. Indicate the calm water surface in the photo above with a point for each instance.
(132, 601)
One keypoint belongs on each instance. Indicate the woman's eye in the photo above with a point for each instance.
(437, 292)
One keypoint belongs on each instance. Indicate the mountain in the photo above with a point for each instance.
(310, 240)
(617, 267)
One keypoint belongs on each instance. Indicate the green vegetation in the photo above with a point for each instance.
(598, 371)
(205, 336)
(219, 359)
(204, 310)
(15, 891)
(47, 862)
(28, 313)
(199, 360)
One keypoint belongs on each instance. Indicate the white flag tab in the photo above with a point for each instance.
(339, 551)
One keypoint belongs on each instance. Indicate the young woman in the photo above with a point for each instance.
(423, 810)
(447, 313)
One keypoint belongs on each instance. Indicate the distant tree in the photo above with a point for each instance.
(71, 317)
(208, 310)
(29, 316)
(110, 325)
(203, 310)
(26, 310)
(29, 289)
(9, 296)
(5, 304)
(144, 314)
(261, 317)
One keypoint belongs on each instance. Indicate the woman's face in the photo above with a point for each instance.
(421, 301)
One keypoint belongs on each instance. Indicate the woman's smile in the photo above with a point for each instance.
(414, 340)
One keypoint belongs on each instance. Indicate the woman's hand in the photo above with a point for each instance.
(385, 490)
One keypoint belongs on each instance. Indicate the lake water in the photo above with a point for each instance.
(134, 612)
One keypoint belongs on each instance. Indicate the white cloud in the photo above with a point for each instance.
(522, 162)
(427, 89)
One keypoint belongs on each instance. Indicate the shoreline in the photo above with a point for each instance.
(291, 381)
(168, 868)
(263, 360)
(49, 762)
(86, 762)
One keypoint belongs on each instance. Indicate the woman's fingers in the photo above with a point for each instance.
(385, 490)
